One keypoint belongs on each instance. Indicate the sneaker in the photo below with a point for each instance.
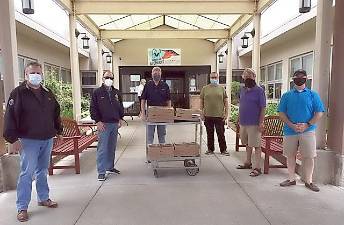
(209, 153)
(312, 187)
(101, 177)
(225, 153)
(113, 170)
(22, 216)
(288, 183)
(48, 203)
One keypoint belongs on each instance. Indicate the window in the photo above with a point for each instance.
(304, 62)
(22, 62)
(271, 77)
(88, 82)
(60, 73)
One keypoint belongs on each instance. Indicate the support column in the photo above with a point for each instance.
(229, 73)
(336, 110)
(115, 71)
(74, 63)
(256, 46)
(8, 46)
(321, 77)
(217, 63)
(100, 62)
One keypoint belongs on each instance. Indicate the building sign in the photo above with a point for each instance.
(164, 56)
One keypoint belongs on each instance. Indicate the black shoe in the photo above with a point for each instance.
(113, 170)
(209, 152)
(288, 183)
(101, 177)
(312, 187)
(225, 153)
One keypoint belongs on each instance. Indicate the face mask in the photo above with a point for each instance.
(249, 83)
(108, 82)
(214, 81)
(156, 77)
(35, 79)
(299, 81)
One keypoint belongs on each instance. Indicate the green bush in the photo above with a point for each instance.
(235, 92)
(271, 110)
(63, 93)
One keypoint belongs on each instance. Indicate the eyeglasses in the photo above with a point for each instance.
(111, 78)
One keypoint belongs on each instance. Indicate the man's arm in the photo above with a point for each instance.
(10, 118)
(226, 108)
(169, 103)
(143, 108)
(261, 119)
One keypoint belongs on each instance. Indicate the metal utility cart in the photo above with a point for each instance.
(191, 163)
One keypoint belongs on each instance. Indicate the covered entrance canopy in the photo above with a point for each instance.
(111, 21)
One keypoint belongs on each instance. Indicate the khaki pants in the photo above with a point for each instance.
(305, 143)
(250, 136)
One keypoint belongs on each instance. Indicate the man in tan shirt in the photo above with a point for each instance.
(214, 106)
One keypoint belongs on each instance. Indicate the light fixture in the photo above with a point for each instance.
(245, 38)
(85, 39)
(108, 56)
(221, 58)
(305, 6)
(27, 6)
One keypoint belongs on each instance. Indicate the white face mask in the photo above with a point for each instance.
(35, 79)
(108, 82)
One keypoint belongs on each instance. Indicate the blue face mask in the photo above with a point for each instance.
(214, 81)
(35, 79)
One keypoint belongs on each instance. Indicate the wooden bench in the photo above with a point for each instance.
(73, 143)
(271, 142)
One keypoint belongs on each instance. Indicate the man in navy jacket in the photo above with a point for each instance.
(107, 111)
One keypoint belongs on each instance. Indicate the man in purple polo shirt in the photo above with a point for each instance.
(251, 118)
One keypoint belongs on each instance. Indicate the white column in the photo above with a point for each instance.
(115, 71)
(8, 46)
(217, 63)
(321, 76)
(100, 62)
(256, 46)
(229, 73)
(74, 63)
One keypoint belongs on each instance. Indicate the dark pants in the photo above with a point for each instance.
(217, 123)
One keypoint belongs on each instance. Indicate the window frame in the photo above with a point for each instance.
(266, 82)
(309, 76)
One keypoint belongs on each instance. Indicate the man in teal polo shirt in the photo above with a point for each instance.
(300, 109)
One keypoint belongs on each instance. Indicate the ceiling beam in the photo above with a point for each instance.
(264, 4)
(219, 44)
(163, 34)
(165, 7)
(240, 24)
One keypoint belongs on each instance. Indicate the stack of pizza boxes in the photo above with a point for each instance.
(188, 114)
(158, 114)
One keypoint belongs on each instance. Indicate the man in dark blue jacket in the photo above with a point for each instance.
(32, 119)
(107, 111)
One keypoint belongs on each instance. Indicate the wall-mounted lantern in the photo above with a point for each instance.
(27, 6)
(245, 38)
(305, 6)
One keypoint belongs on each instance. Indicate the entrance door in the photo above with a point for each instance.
(176, 80)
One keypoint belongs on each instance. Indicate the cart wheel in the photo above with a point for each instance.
(189, 163)
(192, 172)
(155, 172)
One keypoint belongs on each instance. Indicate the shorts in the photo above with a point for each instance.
(250, 135)
(305, 143)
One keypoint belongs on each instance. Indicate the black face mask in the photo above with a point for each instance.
(299, 81)
(249, 83)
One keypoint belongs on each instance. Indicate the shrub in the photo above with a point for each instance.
(63, 93)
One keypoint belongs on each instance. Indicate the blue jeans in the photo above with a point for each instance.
(107, 141)
(34, 162)
(161, 133)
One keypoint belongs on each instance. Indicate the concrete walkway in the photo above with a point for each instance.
(218, 195)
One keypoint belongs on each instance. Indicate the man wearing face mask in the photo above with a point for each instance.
(300, 109)
(107, 111)
(32, 119)
(155, 93)
(214, 106)
(251, 118)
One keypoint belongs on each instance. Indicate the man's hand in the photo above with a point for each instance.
(120, 123)
(100, 126)
(143, 116)
(59, 137)
(261, 127)
(294, 127)
(17, 146)
(301, 127)
(202, 116)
